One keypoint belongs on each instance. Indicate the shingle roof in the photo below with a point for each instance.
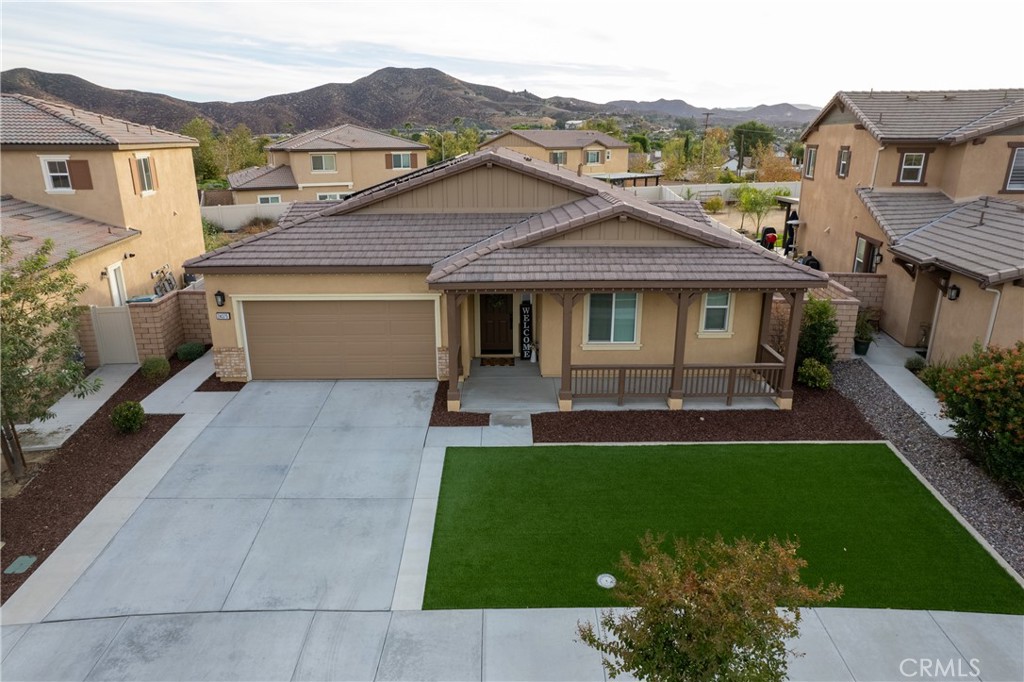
(27, 225)
(564, 139)
(263, 177)
(343, 137)
(29, 121)
(942, 116)
(983, 239)
(897, 213)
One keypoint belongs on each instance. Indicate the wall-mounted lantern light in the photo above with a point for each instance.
(953, 292)
(220, 298)
(878, 258)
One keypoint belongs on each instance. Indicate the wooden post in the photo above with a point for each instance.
(766, 322)
(796, 308)
(565, 390)
(454, 343)
(675, 393)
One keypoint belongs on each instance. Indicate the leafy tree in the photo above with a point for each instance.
(756, 203)
(673, 155)
(39, 316)
(771, 168)
(817, 328)
(642, 142)
(605, 125)
(708, 155)
(639, 162)
(457, 142)
(240, 149)
(748, 135)
(204, 157)
(707, 611)
(796, 151)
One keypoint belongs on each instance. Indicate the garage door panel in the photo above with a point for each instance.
(341, 339)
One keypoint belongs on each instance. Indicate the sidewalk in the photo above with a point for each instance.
(886, 358)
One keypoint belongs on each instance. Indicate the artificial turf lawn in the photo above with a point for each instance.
(533, 527)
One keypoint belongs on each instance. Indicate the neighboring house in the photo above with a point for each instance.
(121, 195)
(587, 151)
(925, 188)
(325, 165)
(418, 278)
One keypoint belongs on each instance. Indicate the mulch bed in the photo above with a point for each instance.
(215, 385)
(440, 416)
(65, 487)
(816, 415)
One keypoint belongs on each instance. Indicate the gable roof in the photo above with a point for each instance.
(563, 139)
(27, 225)
(29, 121)
(342, 138)
(263, 177)
(982, 239)
(950, 116)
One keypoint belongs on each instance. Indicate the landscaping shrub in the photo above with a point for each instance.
(188, 352)
(931, 375)
(814, 374)
(155, 369)
(714, 205)
(983, 393)
(816, 331)
(128, 417)
(915, 363)
(259, 223)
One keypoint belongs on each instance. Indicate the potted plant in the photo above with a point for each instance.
(863, 333)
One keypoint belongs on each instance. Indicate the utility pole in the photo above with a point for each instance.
(707, 115)
(739, 166)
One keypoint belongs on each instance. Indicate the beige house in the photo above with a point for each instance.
(496, 254)
(587, 151)
(327, 165)
(927, 189)
(121, 195)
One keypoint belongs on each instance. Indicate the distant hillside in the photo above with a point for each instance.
(385, 99)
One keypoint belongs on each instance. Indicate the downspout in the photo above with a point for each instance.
(995, 310)
(935, 324)
(874, 169)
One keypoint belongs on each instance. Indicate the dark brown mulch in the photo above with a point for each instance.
(440, 416)
(213, 384)
(816, 415)
(65, 487)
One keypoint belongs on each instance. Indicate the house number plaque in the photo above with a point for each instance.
(223, 316)
(526, 330)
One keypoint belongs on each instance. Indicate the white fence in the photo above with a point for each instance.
(725, 190)
(233, 218)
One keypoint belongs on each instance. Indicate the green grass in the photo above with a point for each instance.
(533, 527)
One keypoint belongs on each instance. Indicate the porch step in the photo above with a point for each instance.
(510, 419)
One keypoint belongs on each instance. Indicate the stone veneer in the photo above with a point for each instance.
(867, 287)
(230, 364)
(442, 363)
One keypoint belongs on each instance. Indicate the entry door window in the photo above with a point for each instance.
(115, 275)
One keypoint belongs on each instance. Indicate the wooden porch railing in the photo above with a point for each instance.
(597, 381)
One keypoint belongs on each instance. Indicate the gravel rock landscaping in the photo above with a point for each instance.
(982, 501)
(440, 416)
(214, 385)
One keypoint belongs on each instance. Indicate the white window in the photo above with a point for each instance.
(329, 196)
(559, 158)
(144, 174)
(912, 167)
(843, 163)
(810, 159)
(402, 160)
(593, 156)
(56, 174)
(323, 163)
(269, 198)
(608, 155)
(1015, 177)
(716, 317)
(612, 318)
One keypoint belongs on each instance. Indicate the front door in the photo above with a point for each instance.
(495, 324)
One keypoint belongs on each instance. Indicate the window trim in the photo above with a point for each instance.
(597, 157)
(635, 344)
(334, 161)
(326, 196)
(48, 178)
(261, 197)
(607, 154)
(142, 176)
(903, 152)
(403, 156)
(118, 289)
(562, 154)
(1015, 149)
(702, 331)
(810, 161)
(875, 248)
(843, 164)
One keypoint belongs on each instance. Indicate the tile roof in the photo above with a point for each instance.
(942, 116)
(298, 210)
(29, 121)
(898, 213)
(983, 239)
(344, 137)
(688, 209)
(563, 139)
(263, 177)
(27, 225)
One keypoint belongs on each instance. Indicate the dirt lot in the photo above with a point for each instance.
(732, 217)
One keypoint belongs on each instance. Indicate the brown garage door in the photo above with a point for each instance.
(340, 339)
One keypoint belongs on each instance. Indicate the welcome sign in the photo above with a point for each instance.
(526, 330)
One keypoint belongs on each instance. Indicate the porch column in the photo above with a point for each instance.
(567, 300)
(766, 322)
(454, 348)
(675, 393)
(796, 309)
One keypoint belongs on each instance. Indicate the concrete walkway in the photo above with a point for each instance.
(886, 357)
(287, 536)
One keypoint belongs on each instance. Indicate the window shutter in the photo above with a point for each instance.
(388, 161)
(839, 162)
(81, 178)
(415, 160)
(135, 174)
(152, 171)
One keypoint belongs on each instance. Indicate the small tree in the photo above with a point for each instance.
(817, 328)
(756, 203)
(772, 168)
(747, 136)
(706, 612)
(39, 316)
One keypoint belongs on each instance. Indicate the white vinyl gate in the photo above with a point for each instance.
(115, 338)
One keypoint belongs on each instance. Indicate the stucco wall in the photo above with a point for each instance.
(619, 163)
(965, 321)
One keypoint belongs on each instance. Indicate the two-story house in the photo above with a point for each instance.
(326, 165)
(121, 195)
(587, 151)
(926, 188)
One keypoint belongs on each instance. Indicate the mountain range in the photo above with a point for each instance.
(387, 98)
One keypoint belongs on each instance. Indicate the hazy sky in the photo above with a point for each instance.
(793, 51)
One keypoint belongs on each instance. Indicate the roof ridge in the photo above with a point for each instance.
(45, 107)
